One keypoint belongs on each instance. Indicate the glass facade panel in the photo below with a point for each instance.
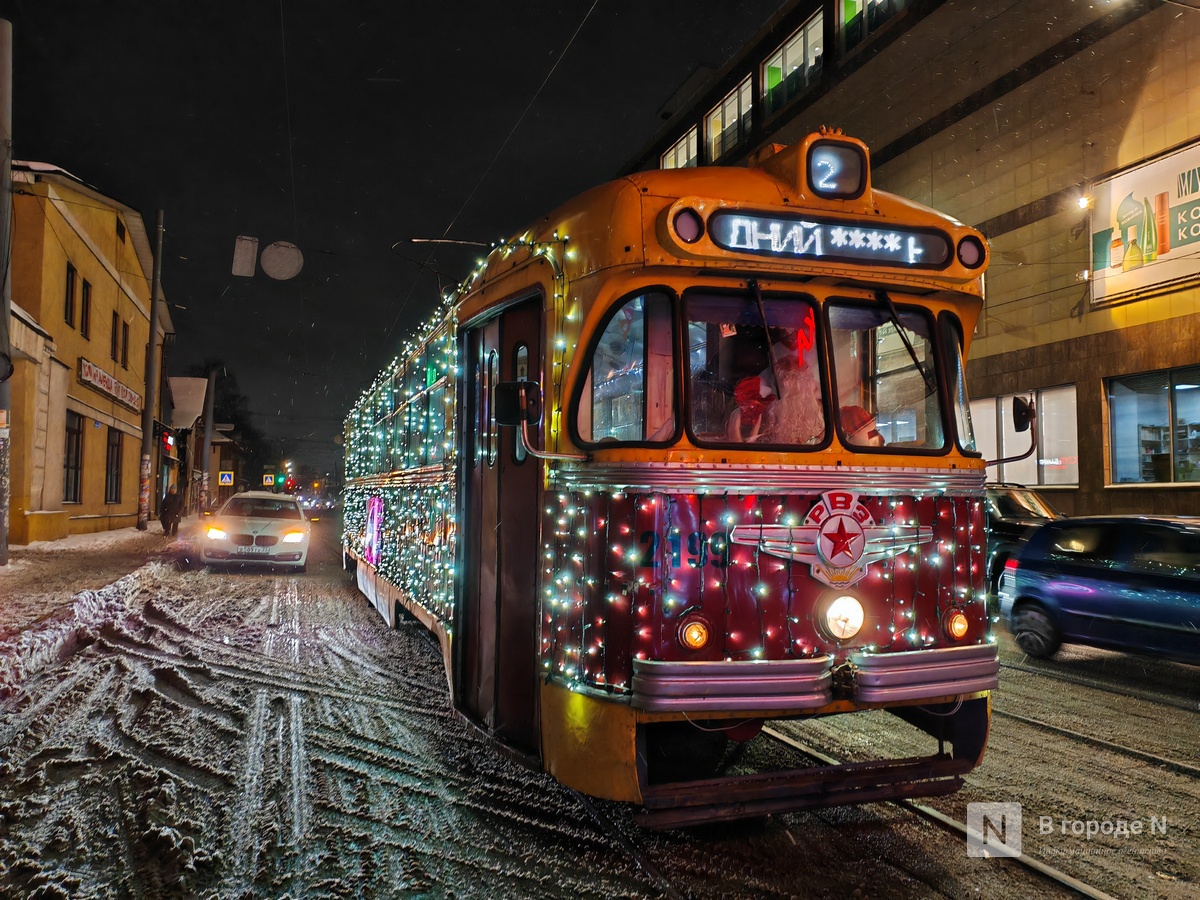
(1140, 433)
(683, 152)
(795, 66)
(862, 18)
(1058, 440)
(728, 123)
(1056, 460)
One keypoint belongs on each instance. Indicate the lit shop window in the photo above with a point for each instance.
(729, 122)
(1056, 460)
(1154, 426)
(682, 154)
(795, 66)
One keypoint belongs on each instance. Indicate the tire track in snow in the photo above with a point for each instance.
(243, 831)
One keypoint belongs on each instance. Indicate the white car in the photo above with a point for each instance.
(257, 527)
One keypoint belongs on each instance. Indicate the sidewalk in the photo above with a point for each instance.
(44, 576)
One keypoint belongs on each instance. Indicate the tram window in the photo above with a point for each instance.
(887, 368)
(628, 394)
(521, 371)
(493, 378)
(744, 387)
(961, 403)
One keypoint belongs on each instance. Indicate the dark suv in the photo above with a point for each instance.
(1124, 582)
(1013, 512)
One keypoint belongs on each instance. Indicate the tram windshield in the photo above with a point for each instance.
(884, 363)
(755, 369)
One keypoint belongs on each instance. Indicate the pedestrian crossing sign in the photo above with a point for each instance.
(225, 479)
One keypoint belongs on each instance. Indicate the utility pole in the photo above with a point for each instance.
(205, 454)
(6, 351)
(147, 483)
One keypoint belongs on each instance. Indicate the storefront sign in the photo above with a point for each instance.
(1143, 223)
(93, 376)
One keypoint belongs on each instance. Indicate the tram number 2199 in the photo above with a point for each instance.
(703, 549)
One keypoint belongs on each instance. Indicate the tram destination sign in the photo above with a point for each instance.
(806, 237)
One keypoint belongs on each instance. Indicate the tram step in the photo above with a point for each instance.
(746, 796)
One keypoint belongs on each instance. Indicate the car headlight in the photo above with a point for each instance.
(293, 537)
(844, 617)
(216, 534)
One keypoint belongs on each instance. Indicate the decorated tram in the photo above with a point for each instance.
(692, 453)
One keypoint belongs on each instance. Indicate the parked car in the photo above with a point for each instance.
(257, 527)
(1123, 582)
(1013, 512)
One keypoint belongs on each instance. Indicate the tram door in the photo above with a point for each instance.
(499, 628)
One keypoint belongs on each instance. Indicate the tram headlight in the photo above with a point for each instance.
(844, 617)
(694, 632)
(957, 625)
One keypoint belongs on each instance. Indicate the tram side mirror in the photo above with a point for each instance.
(517, 401)
(1023, 414)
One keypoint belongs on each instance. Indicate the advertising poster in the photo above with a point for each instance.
(1146, 227)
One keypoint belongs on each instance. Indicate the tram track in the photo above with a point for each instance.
(950, 824)
(1119, 690)
(1181, 768)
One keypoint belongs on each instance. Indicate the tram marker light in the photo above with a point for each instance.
(694, 633)
(957, 625)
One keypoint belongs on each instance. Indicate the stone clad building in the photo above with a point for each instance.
(82, 266)
(1069, 133)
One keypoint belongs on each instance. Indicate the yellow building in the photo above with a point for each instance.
(82, 267)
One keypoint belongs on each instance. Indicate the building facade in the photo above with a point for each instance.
(81, 293)
(1069, 133)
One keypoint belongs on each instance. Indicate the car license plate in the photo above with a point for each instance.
(252, 550)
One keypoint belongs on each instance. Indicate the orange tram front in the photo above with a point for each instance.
(710, 464)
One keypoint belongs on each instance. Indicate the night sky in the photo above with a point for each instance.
(347, 129)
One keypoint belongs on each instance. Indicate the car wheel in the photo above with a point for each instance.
(302, 568)
(1034, 631)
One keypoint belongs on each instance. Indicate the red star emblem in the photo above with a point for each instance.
(840, 541)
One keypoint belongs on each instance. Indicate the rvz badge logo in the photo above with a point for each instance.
(993, 829)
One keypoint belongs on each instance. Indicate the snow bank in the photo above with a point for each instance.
(56, 637)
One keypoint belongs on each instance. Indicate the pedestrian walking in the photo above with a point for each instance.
(171, 511)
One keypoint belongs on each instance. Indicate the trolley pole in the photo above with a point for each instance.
(146, 482)
(6, 350)
(206, 452)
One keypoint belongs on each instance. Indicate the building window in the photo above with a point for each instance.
(1154, 426)
(112, 467)
(124, 345)
(683, 154)
(85, 310)
(728, 124)
(794, 67)
(73, 458)
(862, 18)
(116, 332)
(1056, 460)
(69, 297)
